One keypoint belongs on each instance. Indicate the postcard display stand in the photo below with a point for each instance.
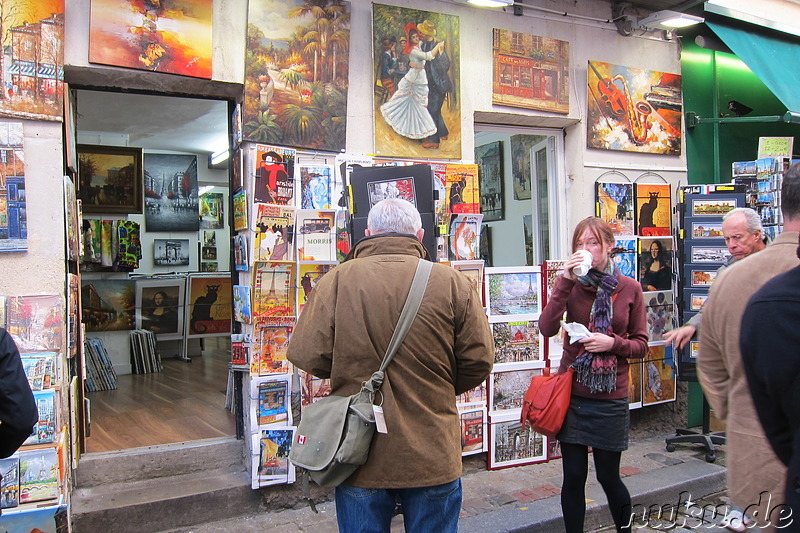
(703, 252)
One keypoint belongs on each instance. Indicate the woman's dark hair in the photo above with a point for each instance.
(660, 254)
(599, 228)
(163, 295)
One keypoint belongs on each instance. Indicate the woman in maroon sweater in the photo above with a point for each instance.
(611, 306)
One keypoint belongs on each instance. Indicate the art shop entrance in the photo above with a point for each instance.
(157, 338)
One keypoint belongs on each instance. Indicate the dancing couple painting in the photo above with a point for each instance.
(418, 115)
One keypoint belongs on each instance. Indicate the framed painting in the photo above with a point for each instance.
(473, 431)
(172, 37)
(633, 110)
(530, 71)
(13, 211)
(476, 395)
(171, 192)
(473, 270)
(485, 245)
(513, 293)
(404, 126)
(160, 305)
(521, 146)
(296, 73)
(212, 210)
(210, 305)
(517, 345)
(511, 444)
(491, 178)
(171, 252)
(108, 304)
(36, 322)
(506, 389)
(110, 179)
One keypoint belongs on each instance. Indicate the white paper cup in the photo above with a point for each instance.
(586, 264)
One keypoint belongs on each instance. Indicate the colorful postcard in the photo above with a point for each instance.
(47, 519)
(44, 431)
(240, 255)
(659, 375)
(474, 272)
(513, 293)
(473, 431)
(38, 475)
(402, 40)
(36, 322)
(461, 188)
(517, 345)
(712, 208)
(653, 210)
(660, 313)
(465, 235)
(172, 37)
(316, 235)
(697, 300)
(710, 254)
(506, 389)
(625, 256)
(530, 71)
(476, 395)
(634, 110)
(108, 304)
(511, 444)
(312, 388)
(553, 269)
(316, 182)
(309, 275)
(707, 230)
(270, 400)
(615, 206)
(241, 304)
(296, 73)
(240, 210)
(270, 341)
(702, 278)
(273, 238)
(656, 258)
(274, 288)
(271, 457)
(9, 483)
(40, 368)
(210, 309)
(13, 212)
(273, 174)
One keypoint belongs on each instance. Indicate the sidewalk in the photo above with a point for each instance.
(527, 498)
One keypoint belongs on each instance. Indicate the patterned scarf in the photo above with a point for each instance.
(598, 371)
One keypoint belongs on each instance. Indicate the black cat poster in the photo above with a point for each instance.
(210, 308)
(653, 210)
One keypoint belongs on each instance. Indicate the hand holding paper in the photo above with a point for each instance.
(576, 331)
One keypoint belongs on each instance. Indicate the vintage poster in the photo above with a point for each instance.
(316, 235)
(32, 77)
(296, 73)
(273, 238)
(461, 183)
(13, 213)
(271, 335)
(653, 209)
(171, 36)
(633, 110)
(417, 110)
(170, 190)
(465, 235)
(274, 175)
(615, 206)
(625, 256)
(530, 71)
(310, 274)
(274, 288)
(210, 309)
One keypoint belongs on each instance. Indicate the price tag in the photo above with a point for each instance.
(380, 420)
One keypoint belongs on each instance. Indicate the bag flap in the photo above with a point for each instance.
(364, 410)
(320, 432)
(543, 388)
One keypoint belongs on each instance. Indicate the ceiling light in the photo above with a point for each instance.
(667, 19)
(487, 3)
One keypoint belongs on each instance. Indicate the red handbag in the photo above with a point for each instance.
(545, 404)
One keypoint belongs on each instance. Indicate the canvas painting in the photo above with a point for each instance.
(171, 252)
(170, 190)
(13, 212)
(110, 179)
(473, 270)
(417, 110)
(172, 36)
(506, 389)
(108, 304)
(159, 307)
(659, 375)
(653, 210)
(633, 110)
(530, 71)
(491, 178)
(212, 210)
(516, 345)
(48, 519)
(476, 395)
(44, 431)
(32, 79)
(655, 263)
(210, 309)
(36, 323)
(296, 73)
(521, 163)
(38, 477)
(511, 444)
(615, 204)
(513, 293)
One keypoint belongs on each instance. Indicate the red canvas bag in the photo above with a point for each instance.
(545, 404)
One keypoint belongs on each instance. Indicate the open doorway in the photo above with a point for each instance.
(522, 194)
(184, 230)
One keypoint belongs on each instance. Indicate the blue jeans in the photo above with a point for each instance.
(425, 509)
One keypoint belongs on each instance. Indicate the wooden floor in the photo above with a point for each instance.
(184, 402)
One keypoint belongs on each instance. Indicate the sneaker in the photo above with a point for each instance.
(737, 521)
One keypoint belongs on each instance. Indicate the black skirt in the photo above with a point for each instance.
(602, 424)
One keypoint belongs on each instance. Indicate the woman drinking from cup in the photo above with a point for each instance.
(611, 306)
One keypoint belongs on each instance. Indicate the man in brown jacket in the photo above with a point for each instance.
(342, 335)
(754, 472)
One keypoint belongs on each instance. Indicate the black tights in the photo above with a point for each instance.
(575, 461)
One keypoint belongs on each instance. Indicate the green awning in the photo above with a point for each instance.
(774, 60)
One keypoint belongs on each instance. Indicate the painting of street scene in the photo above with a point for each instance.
(512, 444)
(296, 73)
(513, 292)
(32, 63)
(170, 191)
(508, 388)
(515, 342)
(108, 304)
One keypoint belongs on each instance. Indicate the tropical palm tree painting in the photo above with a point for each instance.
(296, 73)
(417, 110)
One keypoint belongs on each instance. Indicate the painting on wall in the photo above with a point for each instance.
(13, 214)
(404, 124)
(170, 189)
(210, 308)
(32, 77)
(633, 110)
(489, 158)
(296, 73)
(172, 36)
(212, 210)
(107, 304)
(171, 252)
(159, 307)
(110, 179)
(529, 71)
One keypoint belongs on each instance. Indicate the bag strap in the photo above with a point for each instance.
(409, 312)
